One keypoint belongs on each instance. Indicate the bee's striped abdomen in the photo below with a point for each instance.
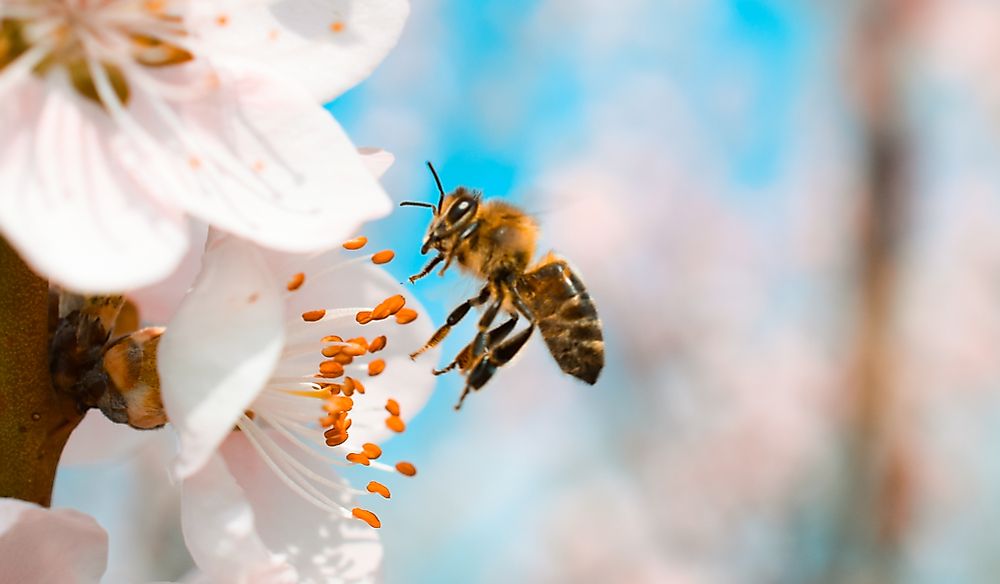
(566, 317)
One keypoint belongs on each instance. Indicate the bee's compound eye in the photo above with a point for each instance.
(459, 210)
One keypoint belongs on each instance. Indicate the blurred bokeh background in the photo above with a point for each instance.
(788, 213)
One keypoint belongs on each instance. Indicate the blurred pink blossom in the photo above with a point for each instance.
(50, 545)
(148, 112)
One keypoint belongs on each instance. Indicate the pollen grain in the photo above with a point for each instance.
(366, 516)
(377, 344)
(375, 367)
(358, 458)
(371, 450)
(296, 282)
(356, 243)
(406, 316)
(377, 487)
(395, 423)
(383, 257)
(331, 368)
(313, 315)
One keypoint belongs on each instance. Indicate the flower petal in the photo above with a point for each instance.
(220, 530)
(157, 303)
(69, 205)
(322, 547)
(50, 545)
(98, 439)
(376, 160)
(264, 160)
(327, 45)
(220, 348)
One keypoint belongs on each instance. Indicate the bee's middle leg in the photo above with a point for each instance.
(456, 315)
(479, 345)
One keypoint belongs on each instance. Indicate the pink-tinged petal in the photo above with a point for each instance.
(69, 205)
(267, 163)
(50, 545)
(220, 530)
(377, 160)
(97, 440)
(326, 45)
(333, 281)
(322, 547)
(158, 302)
(220, 348)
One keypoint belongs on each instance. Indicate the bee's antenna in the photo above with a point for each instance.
(419, 204)
(438, 181)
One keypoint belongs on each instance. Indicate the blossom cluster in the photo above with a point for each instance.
(130, 130)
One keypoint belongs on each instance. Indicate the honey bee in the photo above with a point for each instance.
(494, 242)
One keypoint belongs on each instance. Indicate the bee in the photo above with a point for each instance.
(494, 242)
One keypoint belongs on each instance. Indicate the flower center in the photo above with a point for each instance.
(89, 38)
(320, 392)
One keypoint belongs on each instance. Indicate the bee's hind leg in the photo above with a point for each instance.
(487, 365)
(471, 352)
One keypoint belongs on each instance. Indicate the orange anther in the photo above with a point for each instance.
(314, 315)
(366, 516)
(338, 403)
(372, 451)
(222, 20)
(392, 406)
(358, 387)
(388, 307)
(331, 339)
(395, 423)
(406, 468)
(336, 26)
(358, 458)
(364, 317)
(383, 257)
(296, 282)
(377, 344)
(375, 367)
(376, 487)
(331, 368)
(406, 316)
(336, 439)
(343, 358)
(395, 303)
(332, 350)
(359, 341)
(356, 243)
(354, 350)
(348, 387)
(327, 421)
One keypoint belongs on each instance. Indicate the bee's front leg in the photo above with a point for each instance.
(427, 269)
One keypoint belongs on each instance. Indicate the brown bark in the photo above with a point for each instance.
(35, 420)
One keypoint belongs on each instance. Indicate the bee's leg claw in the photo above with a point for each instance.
(461, 399)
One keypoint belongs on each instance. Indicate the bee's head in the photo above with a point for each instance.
(452, 215)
